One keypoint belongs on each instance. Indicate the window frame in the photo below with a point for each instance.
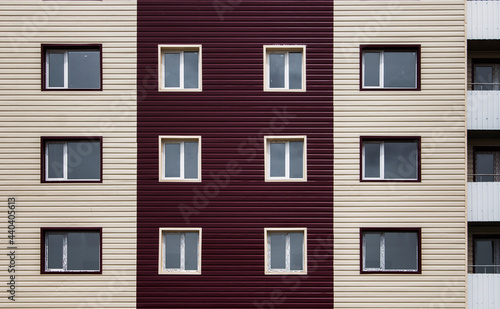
(383, 48)
(181, 139)
(364, 139)
(161, 251)
(162, 48)
(484, 62)
(43, 248)
(496, 238)
(45, 140)
(68, 47)
(267, 253)
(267, 157)
(416, 230)
(269, 49)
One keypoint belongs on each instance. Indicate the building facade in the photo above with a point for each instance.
(235, 154)
(68, 154)
(250, 154)
(483, 145)
(399, 154)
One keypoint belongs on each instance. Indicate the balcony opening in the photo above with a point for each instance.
(486, 164)
(486, 255)
(486, 74)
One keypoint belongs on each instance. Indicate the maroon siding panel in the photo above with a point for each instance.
(233, 204)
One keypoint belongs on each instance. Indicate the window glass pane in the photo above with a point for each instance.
(172, 160)
(172, 250)
(278, 251)
(191, 250)
(484, 256)
(400, 69)
(55, 160)
(277, 70)
(400, 159)
(401, 251)
(483, 77)
(295, 70)
(84, 160)
(296, 250)
(56, 69)
(84, 69)
(277, 159)
(83, 250)
(372, 250)
(296, 159)
(191, 69)
(55, 250)
(191, 160)
(372, 160)
(485, 166)
(172, 62)
(371, 77)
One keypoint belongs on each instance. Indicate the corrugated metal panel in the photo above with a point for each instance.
(233, 204)
(483, 201)
(483, 291)
(483, 110)
(482, 20)
(437, 114)
(26, 113)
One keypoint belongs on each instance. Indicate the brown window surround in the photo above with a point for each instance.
(69, 47)
(43, 233)
(416, 48)
(418, 162)
(43, 145)
(416, 230)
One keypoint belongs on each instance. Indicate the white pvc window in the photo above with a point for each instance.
(180, 251)
(286, 251)
(390, 251)
(285, 158)
(72, 251)
(78, 160)
(180, 67)
(180, 158)
(390, 160)
(73, 69)
(388, 69)
(284, 68)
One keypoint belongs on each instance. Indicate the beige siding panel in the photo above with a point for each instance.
(437, 114)
(26, 113)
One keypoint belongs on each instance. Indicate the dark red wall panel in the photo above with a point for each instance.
(233, 204)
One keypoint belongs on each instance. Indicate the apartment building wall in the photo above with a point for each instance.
(28, 113)
(436, 114)
(232, 204)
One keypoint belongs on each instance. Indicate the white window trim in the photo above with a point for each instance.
(47, 68)
(181, 139)
(382, 253)
(292, 138)
(162, 49)
(381, 69)
(382, 162)
(161, 258)
(65, 163)
(65, 253)
(267, 252)
(268, 49)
